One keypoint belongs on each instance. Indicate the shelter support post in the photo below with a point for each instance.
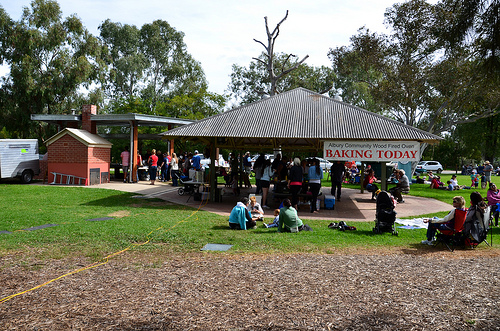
(134, 144)
(383, 175)
(171, 142)
(213, 176)
(362, 176)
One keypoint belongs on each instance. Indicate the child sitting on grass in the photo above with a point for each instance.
(275, 222)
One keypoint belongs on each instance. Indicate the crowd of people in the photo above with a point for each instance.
(161, 166)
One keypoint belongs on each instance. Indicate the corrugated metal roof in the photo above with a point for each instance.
(300, 115)
(113, 119)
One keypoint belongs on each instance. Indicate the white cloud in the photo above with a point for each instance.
(221, 33)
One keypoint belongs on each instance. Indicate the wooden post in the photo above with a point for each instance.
(213, 177)
(383, 175)
(133, 151)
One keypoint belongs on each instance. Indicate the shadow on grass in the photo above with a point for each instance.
(129, 199)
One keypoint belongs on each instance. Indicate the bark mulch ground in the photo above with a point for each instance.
(351, 291)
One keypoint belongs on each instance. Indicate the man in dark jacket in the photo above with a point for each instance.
(337, 174)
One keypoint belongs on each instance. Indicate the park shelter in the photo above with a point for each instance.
(296, 120)
(89, 120)
(77, 156)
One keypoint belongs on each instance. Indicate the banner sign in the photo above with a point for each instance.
(351, 150)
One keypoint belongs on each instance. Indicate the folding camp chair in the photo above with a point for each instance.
(453, 237)
(476, 230)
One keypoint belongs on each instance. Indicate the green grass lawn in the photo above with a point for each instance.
(165, 228)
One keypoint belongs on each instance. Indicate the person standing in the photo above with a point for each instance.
(265, 181)
(315, 176)
(169, 166)
(174, 165)
(247, 164)
(337, 170)
(139, 164)
(257, 168)
(196, 161)
(164, 167)
(488, 168)
(153, 166)
(160, 165)
(125, 155)
(295, 181)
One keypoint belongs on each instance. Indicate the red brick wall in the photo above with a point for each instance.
(67, 150)
(87, 112)
(69, 156)
(43, 170)
(99, 155)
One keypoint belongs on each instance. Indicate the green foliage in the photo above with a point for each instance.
(413, 78)
(152, 73)
(50, 59)
(474, 24)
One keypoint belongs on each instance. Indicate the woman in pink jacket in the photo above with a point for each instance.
(493, 197)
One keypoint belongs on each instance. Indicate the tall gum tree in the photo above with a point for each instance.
(50, 58)
(408, 76)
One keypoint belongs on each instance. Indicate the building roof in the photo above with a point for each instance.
(114, 119)
(83, 136)
(297, 119)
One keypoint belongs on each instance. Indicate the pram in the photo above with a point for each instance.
(187, 188)
(385, 214)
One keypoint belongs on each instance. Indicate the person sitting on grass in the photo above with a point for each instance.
(255, 209)
(275, 222)
(454, 182)
(445, 223)
(436, 183)
(493, 196)
(240, 218)
(288, 220)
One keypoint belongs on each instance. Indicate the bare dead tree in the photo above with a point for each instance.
(271, 39)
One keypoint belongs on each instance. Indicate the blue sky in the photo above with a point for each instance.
(220, 33)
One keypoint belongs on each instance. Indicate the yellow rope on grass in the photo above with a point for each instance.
(105, 260)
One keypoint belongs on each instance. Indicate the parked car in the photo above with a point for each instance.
(266, 156)
(205, 161)
(324, 164)
(425, 166)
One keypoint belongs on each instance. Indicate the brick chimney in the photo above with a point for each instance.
(87, 124)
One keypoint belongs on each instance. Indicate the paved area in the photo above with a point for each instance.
(354, 206)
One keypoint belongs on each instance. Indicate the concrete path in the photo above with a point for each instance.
(354, 206)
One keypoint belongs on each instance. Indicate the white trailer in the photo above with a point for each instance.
(19, 158)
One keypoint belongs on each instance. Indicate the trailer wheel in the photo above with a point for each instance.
(27, 176)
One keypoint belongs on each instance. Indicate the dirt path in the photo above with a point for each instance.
(372, 291)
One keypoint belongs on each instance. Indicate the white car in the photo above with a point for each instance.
(424, 166)
(324, 164)
(266, 156)
(205, 162)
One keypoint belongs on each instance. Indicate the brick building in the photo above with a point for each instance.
(78, 157)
